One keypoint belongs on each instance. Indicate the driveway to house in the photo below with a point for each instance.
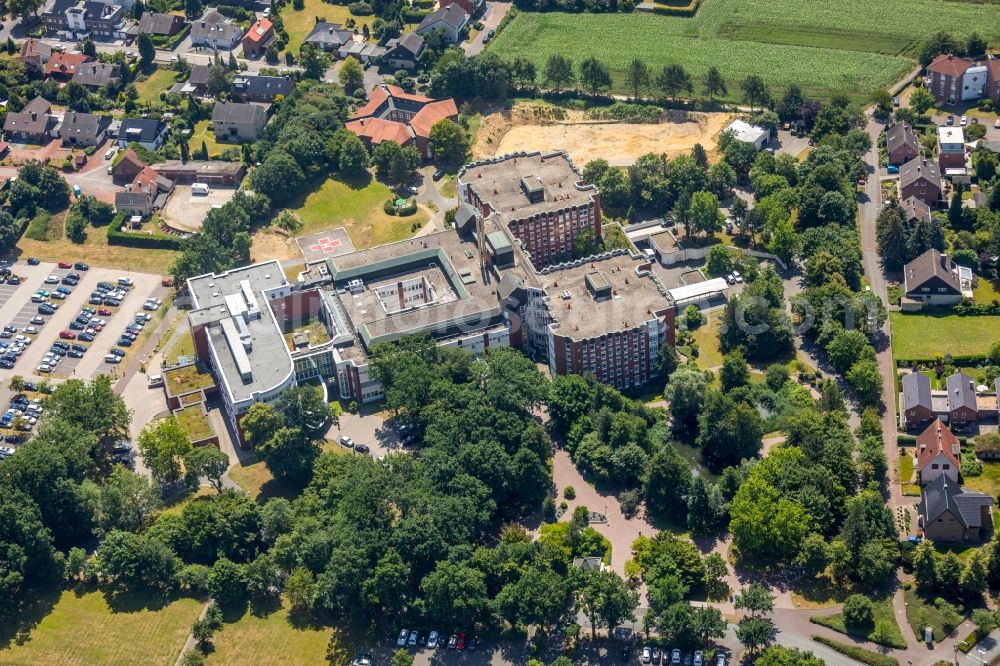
(495, 11)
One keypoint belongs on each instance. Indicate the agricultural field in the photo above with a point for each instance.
(824, 46)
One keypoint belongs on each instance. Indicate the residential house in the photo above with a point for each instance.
(933, 279)
(103, 18)
(96, 75)
(452, 20)
(127, 167)
(83, 129)
(916, 403)
(212, 172)
(35, 53)
(987, 447)
(392, 114)
(196, 83)
(954, 80)
(215, 31)
(361, 51)
(920, 178)
(329, 37)
(747, 133)
(951, 150)
(938, 453)
(164, 25)
(251, 88)
(471, 7)
(963, 408)
(32, 124)
(949, 512)
(993, 79)
(147, 192)
(147, 132)
(916, 210)
(63, 66)
(258, 37)
(232, 121)
(901, 144)
(589, 563)
(403, 52)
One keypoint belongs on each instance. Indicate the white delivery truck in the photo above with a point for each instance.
(199, 188)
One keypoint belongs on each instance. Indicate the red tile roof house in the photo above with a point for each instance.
(472, 7)
(938, 453)
(954, 80)
(63, 66)
(257, 38)
(901, 144)
(392, 114)
(993, 79)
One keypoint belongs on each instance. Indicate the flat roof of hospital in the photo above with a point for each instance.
(269, 358)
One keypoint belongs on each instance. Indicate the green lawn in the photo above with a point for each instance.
(921, 613)
(906, 476)
(86, 628)
(988, 482)
(985, 291)
(707, 337)
(358, 208)
(885, 631)
(919, 336)
(822, 45)
(149, 90)
(202, 133)
(300, 22)
(269, 637)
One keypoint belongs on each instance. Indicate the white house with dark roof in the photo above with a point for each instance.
(451, 19)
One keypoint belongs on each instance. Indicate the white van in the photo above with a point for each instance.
(155, 381)
(110, 153)
(199, 188)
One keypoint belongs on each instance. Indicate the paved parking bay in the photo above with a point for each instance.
(6, 292)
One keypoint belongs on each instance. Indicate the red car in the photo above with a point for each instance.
(460, 645)
(104, 312)
(65, 264)
(67, 335)
(167, 282)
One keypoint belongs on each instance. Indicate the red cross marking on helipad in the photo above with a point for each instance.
(325, 245)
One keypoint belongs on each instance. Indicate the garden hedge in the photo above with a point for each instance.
(150, 241)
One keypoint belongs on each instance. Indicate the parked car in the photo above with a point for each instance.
(31, 329)
(111, 358)
(473, 644)
(67, 335)
(166, 282)
(438, 174)
(347, 441)
(647, 655)
(80, 266)
(675, 656)
(86, 337)
(460, 643)
(72, 353)
(452, 641)
(51, 279)
(33, 261)
(699, 658)
(432, 640)
(950, 120)
(412, 640)
(65, 264)
(963, 121)
(38, 321)
(362, 448)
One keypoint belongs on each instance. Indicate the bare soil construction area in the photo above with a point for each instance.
(530, 127)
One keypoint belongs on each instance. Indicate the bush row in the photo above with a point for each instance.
(670, 10)
(857, 653)
(151, 241)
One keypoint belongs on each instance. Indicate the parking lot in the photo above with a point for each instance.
(20, 312)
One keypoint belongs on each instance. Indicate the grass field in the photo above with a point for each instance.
(96, 252)
(85, 629)
(358, 208)
(922, 335)
(149, 90)
(921, 612)
(269, 638)
(988, 482)
(299, 23)
(201, 132)
(707, 337)
(823, 45)
(884, 632)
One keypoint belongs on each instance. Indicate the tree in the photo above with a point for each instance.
(637, 76)
(313, 62)
(558, 72)
(983, 620)
(972, 582)
(975, 46)
(921, 100)
(755, 92)
(594, 75)
(673, 80)
(24, 8)
(127, 501)
(705, 214)
(859, 612)
(352, 76)
(813, 556)
(847, 347)
(707, 623)
(949, 571)
(303, 407)
(206, 462)
(227, 582)
(289, 454)
(163, 445)
(667, 477)
(764, 524)
(714, 84)
(866, 379)
(605, 598)
(538, 597)
(777, 655)
(449, 142)
(299, 588)
(686, 394)
(192, 8)
(735, 371)
(135, 561)
(402, 658)
(352, 160)
(455, 594)
(146, 49)
(755, 633)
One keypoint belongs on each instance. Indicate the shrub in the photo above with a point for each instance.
(360, 9)
(859, 611)
(549, 509)
(630, 501)
(389, 207)
(569, 492)
(409, 209)
(857, 653)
